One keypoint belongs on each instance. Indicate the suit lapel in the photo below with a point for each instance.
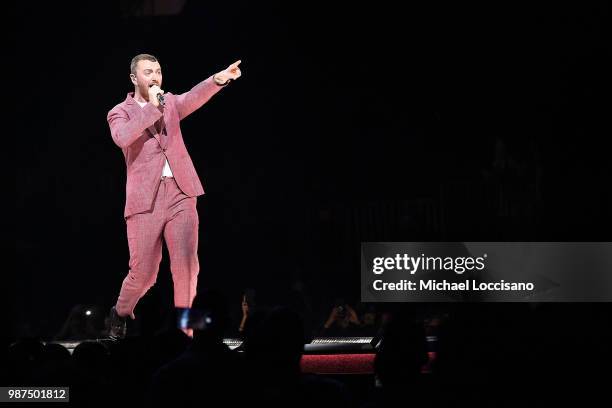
(134, 109)
(151, 129)
(164, 133)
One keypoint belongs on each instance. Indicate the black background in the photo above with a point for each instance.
(350, 123)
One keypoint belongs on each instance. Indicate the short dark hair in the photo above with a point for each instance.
(140, 57)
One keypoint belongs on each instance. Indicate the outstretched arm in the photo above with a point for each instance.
(189, 101)
(331, 319)
(245, 314)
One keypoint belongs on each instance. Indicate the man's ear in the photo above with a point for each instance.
(133, 78)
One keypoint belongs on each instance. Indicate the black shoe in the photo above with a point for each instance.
(117, 325)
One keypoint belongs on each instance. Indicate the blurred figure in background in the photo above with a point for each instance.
(273, 348)
(207, 371)
(83, 322)
(342, 321)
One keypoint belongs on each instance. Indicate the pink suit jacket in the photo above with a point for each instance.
(146, 146)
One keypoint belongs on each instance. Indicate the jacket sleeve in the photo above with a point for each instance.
(188, 102)
(126, 130)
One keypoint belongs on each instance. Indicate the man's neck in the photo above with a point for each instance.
(139, 98)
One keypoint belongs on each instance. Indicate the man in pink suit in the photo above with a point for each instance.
(162, 184)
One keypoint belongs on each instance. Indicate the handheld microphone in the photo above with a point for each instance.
(160, 97)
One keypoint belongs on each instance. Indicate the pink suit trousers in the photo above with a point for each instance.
(173, 219)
